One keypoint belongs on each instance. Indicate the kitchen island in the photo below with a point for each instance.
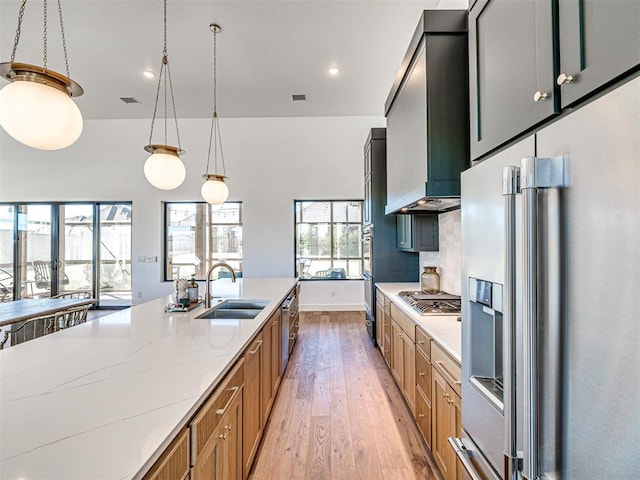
(104, 399)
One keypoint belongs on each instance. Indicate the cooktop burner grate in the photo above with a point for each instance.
(432, 303)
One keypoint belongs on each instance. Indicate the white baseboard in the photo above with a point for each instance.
(346, 307)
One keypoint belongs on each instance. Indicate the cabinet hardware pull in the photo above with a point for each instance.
(421, 415)
(399, 335)
(221, 411)
(422, 374)
(420, 342)
(540, 96)
(563, 79)
(227, 428)
(252, 352)
(444, 395)
(223, 436)
(449, 401)
(451, 377)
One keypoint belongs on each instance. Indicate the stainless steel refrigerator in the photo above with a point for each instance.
(551, 300)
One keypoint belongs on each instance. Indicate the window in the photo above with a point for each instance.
(197, 235)
(52, 248)
(328, 239)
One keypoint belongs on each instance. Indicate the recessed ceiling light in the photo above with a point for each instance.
(148, 74)
(333, 71)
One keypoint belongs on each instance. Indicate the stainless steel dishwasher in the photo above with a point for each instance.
(289, 319)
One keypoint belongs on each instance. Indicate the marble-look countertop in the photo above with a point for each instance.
(444, 329)
(103, 399)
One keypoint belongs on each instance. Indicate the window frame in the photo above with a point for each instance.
(165, 231)
(332, 224)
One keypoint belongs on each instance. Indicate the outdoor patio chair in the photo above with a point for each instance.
(42, 271)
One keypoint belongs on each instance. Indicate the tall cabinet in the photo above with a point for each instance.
(388, 264)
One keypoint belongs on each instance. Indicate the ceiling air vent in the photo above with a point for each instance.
(298, 97)
(130, 100)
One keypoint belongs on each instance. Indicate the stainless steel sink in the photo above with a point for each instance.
(235, 309)
(244, 304)
(230, 313)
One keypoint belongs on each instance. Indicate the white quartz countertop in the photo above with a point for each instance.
(444, 329)
(103, 399)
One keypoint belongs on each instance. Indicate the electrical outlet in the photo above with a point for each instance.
(141, 258)
(332, 294)
(139, 294)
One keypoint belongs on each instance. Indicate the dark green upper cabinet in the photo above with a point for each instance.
(511, 70)
(599, 42)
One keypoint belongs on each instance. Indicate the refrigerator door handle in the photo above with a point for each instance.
(510, 188)
(467, 458)
(536, 173)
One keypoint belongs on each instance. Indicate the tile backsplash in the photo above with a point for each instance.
(448, 258)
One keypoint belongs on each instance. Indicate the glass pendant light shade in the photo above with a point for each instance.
(214, 190)
(163, 168)
(39, 115)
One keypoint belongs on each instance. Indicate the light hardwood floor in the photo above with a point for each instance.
(339, 414)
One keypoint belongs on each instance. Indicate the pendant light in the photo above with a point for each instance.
(163, 168)
(36, 107)
(215, 190)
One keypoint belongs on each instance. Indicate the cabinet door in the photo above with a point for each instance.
(423, 417)
(397, 352)
(266, 391)
(440, 424)
(403, 226)
(425, 233)
(456, 416)
(251, 408)
(210, 464)
(599, 41)
(233, 441)
(380, 321)
(510, 60)
(409, 372)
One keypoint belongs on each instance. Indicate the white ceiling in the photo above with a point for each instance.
(267, 51)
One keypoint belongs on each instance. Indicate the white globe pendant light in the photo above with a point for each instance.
(36, 107)
(163, 168)
(215, 190)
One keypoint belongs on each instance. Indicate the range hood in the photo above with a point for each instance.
(427, 114)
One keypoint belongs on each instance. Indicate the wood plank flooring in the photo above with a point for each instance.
(339, 415)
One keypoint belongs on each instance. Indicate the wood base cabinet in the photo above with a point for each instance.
(403, 363)
(216, 432)
(447, 419)
(174, 462)
(251, 406)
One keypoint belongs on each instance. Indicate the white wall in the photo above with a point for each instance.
(270, 162)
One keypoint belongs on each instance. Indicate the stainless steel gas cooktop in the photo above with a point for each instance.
(432, 303)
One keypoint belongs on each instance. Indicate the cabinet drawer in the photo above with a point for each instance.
(405, 323)
(448, 367)
(423, 374)
(209, 416)
(174, 462)
(423, 342)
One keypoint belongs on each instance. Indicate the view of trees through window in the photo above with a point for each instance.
(197, 235)
(328, 239)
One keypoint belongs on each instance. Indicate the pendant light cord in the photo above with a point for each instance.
(167, 76)
(215, 138)
(18, 31)
(44, 35)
